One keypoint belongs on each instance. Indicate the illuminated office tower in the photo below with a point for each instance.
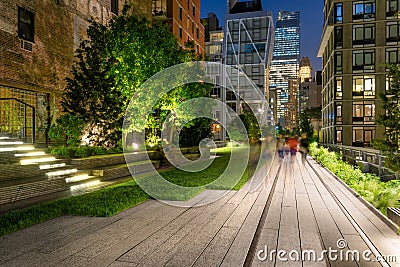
(285, 62)
(248, 46)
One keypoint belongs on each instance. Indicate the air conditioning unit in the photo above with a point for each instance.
(26, 45)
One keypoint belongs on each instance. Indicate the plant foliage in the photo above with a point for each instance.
(390, 119)
(112, 64)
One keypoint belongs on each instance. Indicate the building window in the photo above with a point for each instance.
(26, 24)
(363, 34)
(194, 11)
(339, 90)
(392, 32)
(192, 27)
(393, 55)
(338, 62)
(362, 136)
(339, 135)
(363, 10)
(338, 37)
(197, 32)
(180, 32)
(338, 12)
(114, 6)
(363, 86)
(363, 60)
(180, 13)
(392, 7)
(363, 112)
(339, 113)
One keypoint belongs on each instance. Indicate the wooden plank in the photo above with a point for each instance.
(239, 249)
(189, 232)
(357, 245)
(190, 250)
(288, 239)
(268, 241)
(309, 232)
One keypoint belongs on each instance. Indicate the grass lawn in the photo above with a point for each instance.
(116, 198)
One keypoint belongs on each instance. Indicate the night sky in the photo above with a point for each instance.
(311, 19)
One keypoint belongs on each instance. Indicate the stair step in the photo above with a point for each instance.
(28, 190)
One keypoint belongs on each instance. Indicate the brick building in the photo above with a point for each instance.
(37, 43)
(184, 18)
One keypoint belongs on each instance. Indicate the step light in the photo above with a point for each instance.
(21, 148)
(31, 154)
(62, 172)
(77, 178)
(51, 166)
(3, 143)
(37, 160)
(81, 187)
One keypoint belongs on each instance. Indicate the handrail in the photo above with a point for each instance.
(361, 154)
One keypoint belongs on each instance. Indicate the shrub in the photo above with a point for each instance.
(67, 130)
(380, 194)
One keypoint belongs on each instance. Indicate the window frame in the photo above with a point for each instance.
(27, 26)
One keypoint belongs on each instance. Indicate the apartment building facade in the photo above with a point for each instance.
(358, 38)
(184, 19)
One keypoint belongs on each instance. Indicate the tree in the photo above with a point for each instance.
(390, 119)
(113, 63)
(305, 125)
(252, 127)
(67, 130)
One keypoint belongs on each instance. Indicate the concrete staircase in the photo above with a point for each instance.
(26, 172)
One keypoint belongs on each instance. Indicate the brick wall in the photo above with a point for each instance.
(59, 27)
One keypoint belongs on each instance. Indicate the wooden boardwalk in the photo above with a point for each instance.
(300, 209)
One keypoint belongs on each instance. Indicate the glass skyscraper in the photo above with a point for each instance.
(285, 62)
(248, 48)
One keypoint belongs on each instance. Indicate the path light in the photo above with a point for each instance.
(135, 146)
(22, 148)
(80, 187)
(51, 166)
(77, 178)
(30, 154)
(36, 160)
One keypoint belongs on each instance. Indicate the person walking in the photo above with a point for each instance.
(292, 144)
(280, 146)
(304, 144)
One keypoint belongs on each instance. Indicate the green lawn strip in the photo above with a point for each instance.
(104, 202)
(380, 194)
(116, 198)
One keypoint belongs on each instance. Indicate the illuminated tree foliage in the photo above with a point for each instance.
(113, 63)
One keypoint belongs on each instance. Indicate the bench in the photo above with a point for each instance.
(394, 215)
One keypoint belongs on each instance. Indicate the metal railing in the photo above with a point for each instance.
(372, 159)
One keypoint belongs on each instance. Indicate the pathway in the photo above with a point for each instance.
(300, 209)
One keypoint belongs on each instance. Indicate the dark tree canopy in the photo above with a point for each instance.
(390, 119)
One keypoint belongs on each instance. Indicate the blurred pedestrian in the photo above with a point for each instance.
(292, 143)
(304, 144)
(280, 146)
